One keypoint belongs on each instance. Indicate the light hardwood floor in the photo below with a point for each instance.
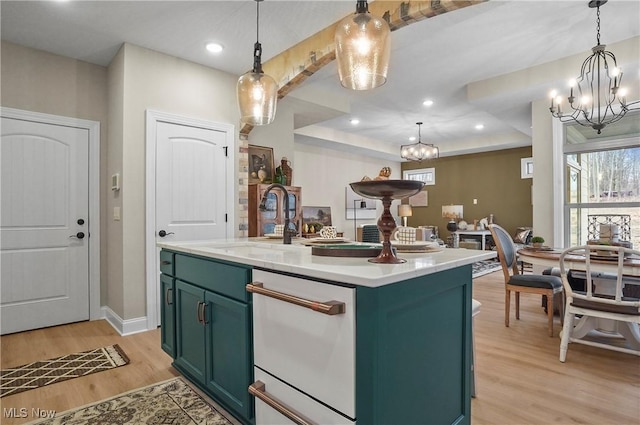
(519, 377)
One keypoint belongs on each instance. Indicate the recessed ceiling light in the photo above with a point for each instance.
(355, 121)
(479, 126)
(214, 47)
(428, 102)
(412, 138)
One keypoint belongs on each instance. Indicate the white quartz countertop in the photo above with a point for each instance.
(296, 258)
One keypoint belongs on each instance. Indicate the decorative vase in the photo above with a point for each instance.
(262, 174)
(287, 171)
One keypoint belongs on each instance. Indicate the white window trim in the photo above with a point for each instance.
(432, 171)
(560, 218)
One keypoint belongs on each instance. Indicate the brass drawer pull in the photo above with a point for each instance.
(328, 307)
(257, 389)
(199, 312)
(166, 296)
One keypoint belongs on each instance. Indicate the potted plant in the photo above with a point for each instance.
(537, 241)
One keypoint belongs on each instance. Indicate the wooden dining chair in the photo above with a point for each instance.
(603, 298)
(547, 285)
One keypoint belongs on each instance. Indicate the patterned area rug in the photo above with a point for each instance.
(47, 372)
(170, 402)
(483, 267)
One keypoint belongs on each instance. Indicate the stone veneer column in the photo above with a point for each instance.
(243, 185)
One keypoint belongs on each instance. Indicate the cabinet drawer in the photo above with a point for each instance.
(292, 399)
(166, 262)
(311, 351)
(226, 279)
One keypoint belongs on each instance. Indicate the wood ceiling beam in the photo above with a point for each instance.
(293, 66)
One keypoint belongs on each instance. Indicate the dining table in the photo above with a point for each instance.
(550, 257)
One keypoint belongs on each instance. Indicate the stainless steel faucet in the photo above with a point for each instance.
(286, 235)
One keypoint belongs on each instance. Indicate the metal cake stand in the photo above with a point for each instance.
(387, 191)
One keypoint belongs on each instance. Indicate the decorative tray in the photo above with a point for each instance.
(417, 246)
(316, 241)
(346, 250)
(542, 248)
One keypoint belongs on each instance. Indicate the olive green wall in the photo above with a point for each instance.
(493, 178)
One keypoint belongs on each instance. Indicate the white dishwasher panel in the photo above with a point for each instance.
(290, 397)
(311, 351)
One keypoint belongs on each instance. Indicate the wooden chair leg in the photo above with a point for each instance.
(561, 309)
(550, 300)
(517, 305)
(507, 305)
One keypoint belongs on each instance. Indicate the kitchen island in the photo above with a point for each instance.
(321, 339)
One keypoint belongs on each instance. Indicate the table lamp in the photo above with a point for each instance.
(404, 211)
(453, 213)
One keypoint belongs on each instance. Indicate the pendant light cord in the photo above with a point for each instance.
(598, 25)
(258, 20)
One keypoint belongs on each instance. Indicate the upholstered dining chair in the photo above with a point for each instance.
(370, 233)
(603, 298)
(549, 286)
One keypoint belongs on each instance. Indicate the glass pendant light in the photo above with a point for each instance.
(257, 91)
(363, 47)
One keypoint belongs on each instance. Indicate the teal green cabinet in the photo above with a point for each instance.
(229, 352)
(190, 331)
(413, 350)
(167, 315)
(213, 329)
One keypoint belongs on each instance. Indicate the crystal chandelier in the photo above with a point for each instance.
(257, 91)
(363, 46)
(419, 151)
(598, 99)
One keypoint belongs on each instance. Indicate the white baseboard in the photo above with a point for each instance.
(124, 327)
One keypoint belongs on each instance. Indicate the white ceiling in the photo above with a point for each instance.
(439, 58)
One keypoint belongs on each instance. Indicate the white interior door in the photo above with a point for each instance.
(44, 249)
(191, 182)
(193, 194)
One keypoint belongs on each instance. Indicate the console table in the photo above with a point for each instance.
(482, 234)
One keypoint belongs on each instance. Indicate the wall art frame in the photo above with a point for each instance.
(261, 164)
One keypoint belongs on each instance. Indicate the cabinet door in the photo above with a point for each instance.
(167, 315)
(190, 331)
(229, 361)
(269, 217)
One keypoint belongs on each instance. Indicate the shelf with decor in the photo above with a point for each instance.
(263, 222)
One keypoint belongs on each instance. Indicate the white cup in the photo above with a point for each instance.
(328, 232)
(404, 234)
(278, 229)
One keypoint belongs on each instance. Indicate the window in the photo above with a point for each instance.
(602, 178)
(426, 175)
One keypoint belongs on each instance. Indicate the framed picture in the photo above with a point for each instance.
(312, 215)
(261, 166)
(426, 175)
(420, 199)
(526, 168)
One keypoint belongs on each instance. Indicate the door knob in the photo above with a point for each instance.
(162, 233)
(79, 235)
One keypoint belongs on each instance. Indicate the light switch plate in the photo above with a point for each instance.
(116, 213)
